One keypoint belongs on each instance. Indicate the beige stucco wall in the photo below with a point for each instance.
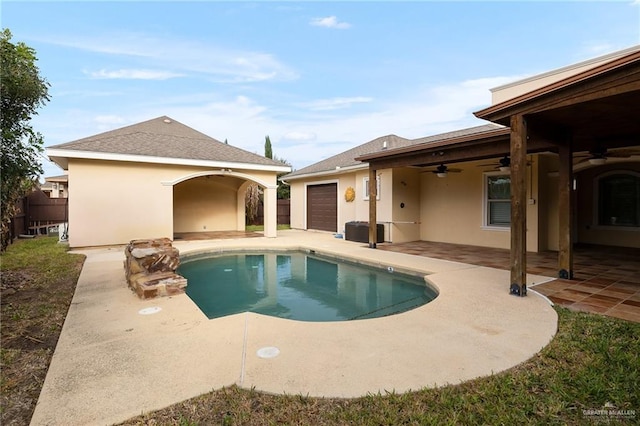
(384, 200)
(356, 210)
(548, 165)
(298, 209)
(405, 205)
(114, 202)
(205, 204)
(452, 209)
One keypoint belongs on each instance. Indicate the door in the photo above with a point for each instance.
(322, 207)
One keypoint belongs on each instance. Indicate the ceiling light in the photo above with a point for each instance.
(597, 161)
(441, 174)
(505, 169)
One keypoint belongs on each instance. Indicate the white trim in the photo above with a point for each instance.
(485, 225)
(222, 172)
(107, 156)
(337, 170)
(365, 187)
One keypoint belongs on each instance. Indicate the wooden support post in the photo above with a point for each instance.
(373, 194)
(518, 206)
(565, 188)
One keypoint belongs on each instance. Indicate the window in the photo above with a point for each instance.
(365, 186)
(498, 200)
(619, 200)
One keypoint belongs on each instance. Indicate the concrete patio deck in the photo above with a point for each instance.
(112, 363)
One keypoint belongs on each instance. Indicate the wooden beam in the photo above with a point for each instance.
(609, 79)
(518, 206)
(565, 188)
(455, 154)
(373, 194)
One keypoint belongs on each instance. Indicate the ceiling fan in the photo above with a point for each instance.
(600, 154)
(504, 164)
(442, 170)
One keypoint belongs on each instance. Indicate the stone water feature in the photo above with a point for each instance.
(150, 267)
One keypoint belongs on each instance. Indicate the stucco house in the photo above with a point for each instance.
(56, 186)
(160, 178)
(557, 164)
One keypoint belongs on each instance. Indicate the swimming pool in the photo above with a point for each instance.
(299, 285)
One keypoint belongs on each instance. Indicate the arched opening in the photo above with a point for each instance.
(608, 205)
(214, 201)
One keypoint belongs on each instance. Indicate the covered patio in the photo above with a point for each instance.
(606, 279)
(589, 114)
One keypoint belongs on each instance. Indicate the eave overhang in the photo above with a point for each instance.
(619, 76)
(61, 158)
(478, 146)
(330, 172)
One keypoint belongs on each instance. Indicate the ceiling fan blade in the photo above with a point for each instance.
(623, 153)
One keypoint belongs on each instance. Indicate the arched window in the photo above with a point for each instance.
(619, 199)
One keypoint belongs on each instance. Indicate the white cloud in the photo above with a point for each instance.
(336, 103)
(330, 22)
(299, 136)
(183, 56)
(244, 121)
(133, 74)
(109, 119)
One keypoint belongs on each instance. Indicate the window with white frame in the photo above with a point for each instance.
(619, 199)
(497, 191)
(365, 186)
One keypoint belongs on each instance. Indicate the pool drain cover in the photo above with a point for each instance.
(149, 311)
(268, 352)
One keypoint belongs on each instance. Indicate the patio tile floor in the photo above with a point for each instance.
(606, 279)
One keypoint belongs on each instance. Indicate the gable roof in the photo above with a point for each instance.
(160, 140)
(350, 159)
(347, 158)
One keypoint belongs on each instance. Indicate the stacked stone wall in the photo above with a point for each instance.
(150, 267)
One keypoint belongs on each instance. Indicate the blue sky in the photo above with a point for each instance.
(317, 77)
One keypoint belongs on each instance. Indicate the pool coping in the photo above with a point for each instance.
(111, 363)
(418, 278)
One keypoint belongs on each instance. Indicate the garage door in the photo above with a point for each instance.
(322, 207)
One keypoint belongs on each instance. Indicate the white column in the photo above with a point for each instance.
(270, 211)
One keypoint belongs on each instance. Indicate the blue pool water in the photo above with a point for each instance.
(300, 286)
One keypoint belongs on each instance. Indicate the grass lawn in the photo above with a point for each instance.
(37, 285)
(592, 364)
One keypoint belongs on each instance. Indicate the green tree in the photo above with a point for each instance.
(23, 91)
(284, 190)
(252, 201)
(268, 152)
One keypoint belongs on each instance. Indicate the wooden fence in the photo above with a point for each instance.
(284, 213)
(37, 212)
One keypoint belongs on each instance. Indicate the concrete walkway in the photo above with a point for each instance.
(112, 362)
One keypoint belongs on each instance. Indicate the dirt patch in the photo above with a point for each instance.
(33, 305)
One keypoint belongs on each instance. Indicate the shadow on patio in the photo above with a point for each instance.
(606, 279)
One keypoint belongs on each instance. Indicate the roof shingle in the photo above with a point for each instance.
(348, 158)
(164, 137)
